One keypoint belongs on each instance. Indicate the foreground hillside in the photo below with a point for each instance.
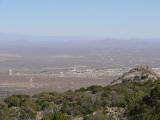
(131, 100)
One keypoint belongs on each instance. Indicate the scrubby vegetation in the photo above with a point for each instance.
(130, 100)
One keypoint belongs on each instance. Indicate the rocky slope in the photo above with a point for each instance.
(137, 74)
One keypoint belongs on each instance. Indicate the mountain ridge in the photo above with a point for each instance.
(138, 74)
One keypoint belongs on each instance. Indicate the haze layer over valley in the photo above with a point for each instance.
(32, 64)
(32, 52)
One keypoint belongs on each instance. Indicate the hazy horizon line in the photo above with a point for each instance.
(80, 37)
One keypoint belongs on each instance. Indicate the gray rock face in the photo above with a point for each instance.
(138, 74)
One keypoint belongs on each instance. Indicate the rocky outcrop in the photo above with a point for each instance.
(137, 74)
(109, 113)
(115, 113)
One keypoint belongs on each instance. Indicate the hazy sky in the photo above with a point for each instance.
(93, 18)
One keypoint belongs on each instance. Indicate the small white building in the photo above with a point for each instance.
(10, 72)
(61, 74)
